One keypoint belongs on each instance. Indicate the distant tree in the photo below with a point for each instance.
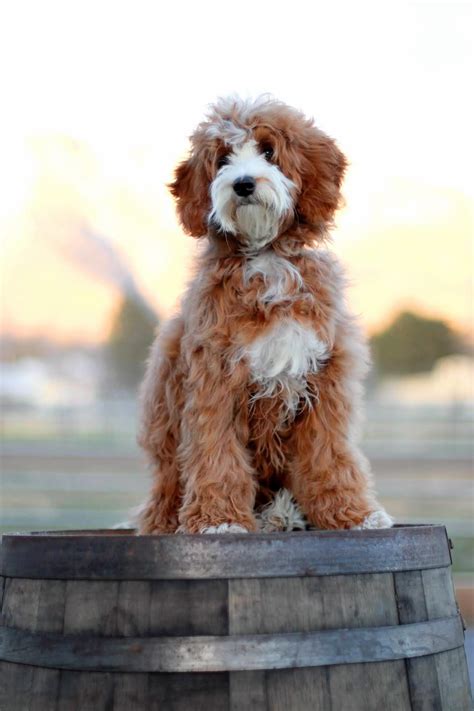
(412, 344)
(131, 335)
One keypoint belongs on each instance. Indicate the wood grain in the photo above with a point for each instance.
(421, 672)
(451, 666)
(2, 589)
(33, 606)
(365, 600)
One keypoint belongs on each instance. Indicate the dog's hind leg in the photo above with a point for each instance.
(162, 403)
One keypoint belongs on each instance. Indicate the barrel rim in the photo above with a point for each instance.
(117, 554)
(79, 532)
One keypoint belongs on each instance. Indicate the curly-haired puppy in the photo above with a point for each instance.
(256, 384)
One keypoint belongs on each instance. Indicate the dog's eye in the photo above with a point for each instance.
(222, 161)
(267, 152)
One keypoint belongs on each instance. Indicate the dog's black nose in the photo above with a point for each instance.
(244, 186)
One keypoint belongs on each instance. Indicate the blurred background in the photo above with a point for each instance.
(98, 99)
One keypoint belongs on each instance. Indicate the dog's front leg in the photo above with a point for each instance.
(328, 475)
(217, 476)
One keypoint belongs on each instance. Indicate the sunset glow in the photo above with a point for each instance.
(102, 97)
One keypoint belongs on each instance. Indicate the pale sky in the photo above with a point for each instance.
(99, 97)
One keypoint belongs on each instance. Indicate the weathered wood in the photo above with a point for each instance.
(115, 622)
(299, 690)
(44, 690)
(131, 691)
(231, 653)
(247, 690)
(184, 607)
(35, 606)
(132, 620)
(453, 680)
(2, 588)
(78, 690)
(50, 616)
(15, 686)
(183, 692)
(315, 603)
(453, 676)
(318, 603)
(249, 612)
(133, 608)
(421, 671)
(439, 593)
(308, 553)
(91, 607)
(370, 687)
(367, 600)
(20, 605)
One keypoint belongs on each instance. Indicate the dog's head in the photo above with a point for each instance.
(255, 168)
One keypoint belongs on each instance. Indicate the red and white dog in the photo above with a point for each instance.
(256, 385)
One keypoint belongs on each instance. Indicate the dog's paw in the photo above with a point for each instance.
(376, 519)
(224, 528)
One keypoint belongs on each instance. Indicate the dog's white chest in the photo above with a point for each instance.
(282, 357)
(288, 350)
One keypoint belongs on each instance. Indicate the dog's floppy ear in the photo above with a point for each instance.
(321, 171)
(190, 187)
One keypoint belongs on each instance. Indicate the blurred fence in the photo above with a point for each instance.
(423, 432)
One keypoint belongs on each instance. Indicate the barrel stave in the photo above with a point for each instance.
(368, 601)
(91, 607)
(86, 691)
(247, 689)
(422, 674)
(307, 604)
(2, 589)
(188, 607)
(183, 692)
(15, 686)
(451, 666)
(34, 606)
(131, 691)
(310, 604)
(438, 682)
(133, 605)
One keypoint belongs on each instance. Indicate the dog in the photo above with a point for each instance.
(255, 386)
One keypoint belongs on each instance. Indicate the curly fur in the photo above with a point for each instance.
(256, 384)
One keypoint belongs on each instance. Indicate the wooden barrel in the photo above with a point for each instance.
(323, 620)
